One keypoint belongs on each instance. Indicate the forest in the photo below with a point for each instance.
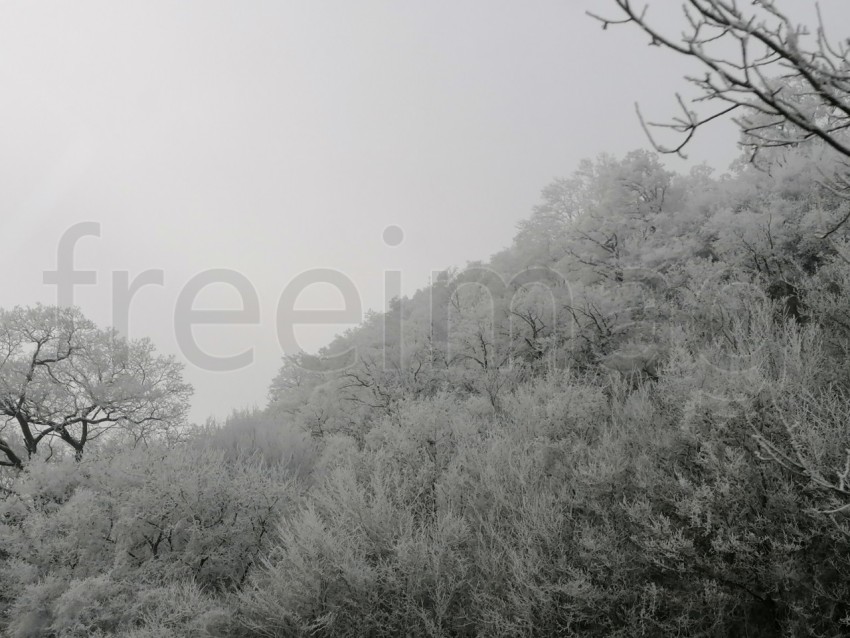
(630, 422)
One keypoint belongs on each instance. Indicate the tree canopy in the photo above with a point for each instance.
(64, 379)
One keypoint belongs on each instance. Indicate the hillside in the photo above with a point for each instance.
(632, 421)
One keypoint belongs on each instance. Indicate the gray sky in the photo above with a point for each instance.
(271, 137)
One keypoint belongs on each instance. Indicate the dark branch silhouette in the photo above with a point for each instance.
(786, 83)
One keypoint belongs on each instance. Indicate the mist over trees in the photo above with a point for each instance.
(630, 422)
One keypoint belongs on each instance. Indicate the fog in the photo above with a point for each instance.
(271, 138)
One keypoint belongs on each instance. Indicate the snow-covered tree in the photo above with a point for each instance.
(64, 379)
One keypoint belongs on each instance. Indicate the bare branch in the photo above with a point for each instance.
(796, 91)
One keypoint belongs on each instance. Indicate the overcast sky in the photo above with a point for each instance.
(272, 137)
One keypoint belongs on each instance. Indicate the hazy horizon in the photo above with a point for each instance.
(272, 138)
